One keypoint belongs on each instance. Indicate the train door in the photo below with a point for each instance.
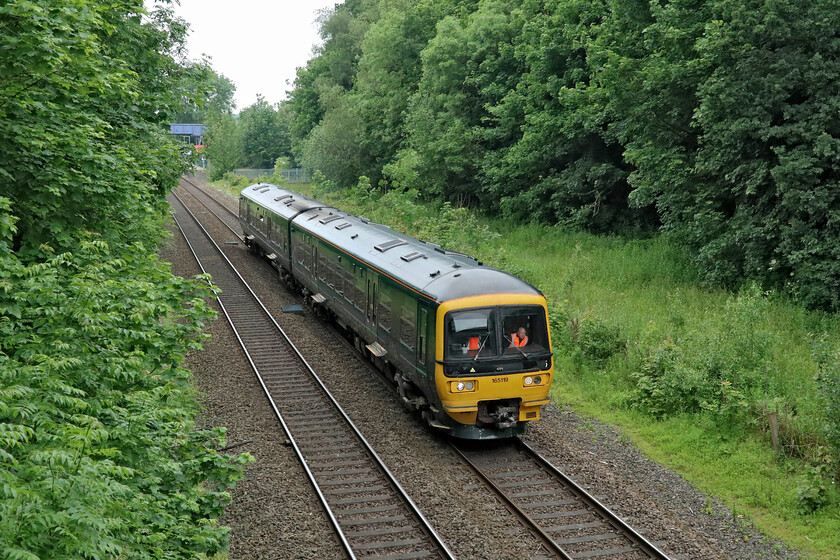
(372, 283)
(423, 361)
(314, 260)
(384, 296)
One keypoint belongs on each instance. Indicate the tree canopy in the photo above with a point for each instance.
(713, 120)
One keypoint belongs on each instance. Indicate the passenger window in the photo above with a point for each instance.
(384, 311)
(408, 330)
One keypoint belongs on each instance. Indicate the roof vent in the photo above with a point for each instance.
(413, 256)
(435, 273)
(329, 219)
(343, 225)
(382, 247)
(279, 198)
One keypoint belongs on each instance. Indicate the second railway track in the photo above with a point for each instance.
(372, 515)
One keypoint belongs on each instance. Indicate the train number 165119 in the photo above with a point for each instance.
(500, 380)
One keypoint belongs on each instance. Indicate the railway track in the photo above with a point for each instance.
(571, 523)
(564, 518)
(225, 215)
(371, 514)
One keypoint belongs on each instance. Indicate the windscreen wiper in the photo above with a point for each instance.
(477, 352)
(512, 345)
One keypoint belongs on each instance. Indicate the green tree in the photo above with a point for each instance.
(467, 68)
(331, 72)
(264, 138)
(85, 93)
(99, 454)
(388, 74)
(333, 145)
(556, 161)
(223, 144)
(215, 95)
(725, 110)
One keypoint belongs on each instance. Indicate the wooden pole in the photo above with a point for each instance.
(774, 429)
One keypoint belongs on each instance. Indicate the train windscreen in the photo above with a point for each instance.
(500, 338)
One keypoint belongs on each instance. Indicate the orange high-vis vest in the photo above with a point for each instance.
(516, 341)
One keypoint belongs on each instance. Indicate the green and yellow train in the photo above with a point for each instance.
(467, 345)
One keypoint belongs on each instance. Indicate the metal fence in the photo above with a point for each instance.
(295, 175)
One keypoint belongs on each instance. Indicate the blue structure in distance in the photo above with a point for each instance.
(189, 133)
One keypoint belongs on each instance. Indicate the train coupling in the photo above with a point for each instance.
(499, 414)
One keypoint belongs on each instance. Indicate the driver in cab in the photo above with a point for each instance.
(519, 338)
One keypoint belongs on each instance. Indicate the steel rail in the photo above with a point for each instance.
(606, 514)
(209, 196)
(524, 476)
(532, 526)
(435, 541)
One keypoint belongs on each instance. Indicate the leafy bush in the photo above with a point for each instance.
(816, 487)
(828, 384)
(99, 454)
(237, 181)
(716, 368)
(595, 339)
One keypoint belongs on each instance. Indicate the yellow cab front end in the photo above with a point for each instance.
(493, 363)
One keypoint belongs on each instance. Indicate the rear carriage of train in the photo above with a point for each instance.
(441, 322)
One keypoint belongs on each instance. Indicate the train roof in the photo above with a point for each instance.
(425, 267)
(279, 200)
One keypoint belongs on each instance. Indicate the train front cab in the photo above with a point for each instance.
(488, 386)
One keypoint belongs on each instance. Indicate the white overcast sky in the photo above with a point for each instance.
(258, 44)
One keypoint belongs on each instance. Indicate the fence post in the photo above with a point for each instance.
(774, 429)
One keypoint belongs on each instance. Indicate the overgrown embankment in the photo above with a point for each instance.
(100, 456)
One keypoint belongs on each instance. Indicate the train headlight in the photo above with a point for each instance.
(462, 386)
(537, 380)
(529, 380)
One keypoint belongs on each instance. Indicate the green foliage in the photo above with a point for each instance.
(816, 486)
(467, 67)
(215, 96)
(827, 356)
(712, 119)
(330, 74)
(85, 91)
(559, 163)
(717, 369)
(724, 116)
(224, 145)
(265, 135)
(321, 185)
(389, 70)
(332, 146)
(595, 338)
(100, 457)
